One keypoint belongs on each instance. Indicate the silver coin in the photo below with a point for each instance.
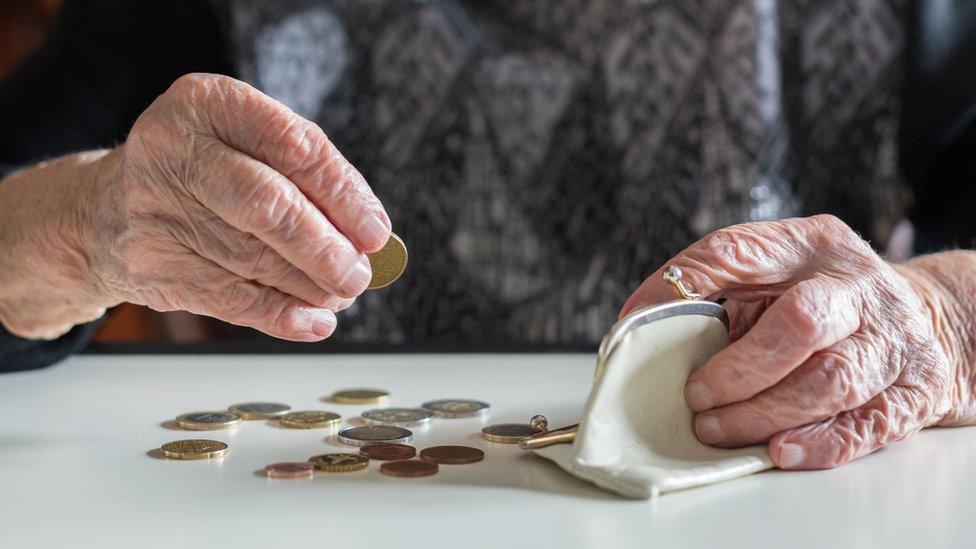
(398, 416)
(259, 410)
(203, 421)
(371, 434)
(456, 407)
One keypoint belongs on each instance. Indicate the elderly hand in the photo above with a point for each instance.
(220, 202)
(834, 352)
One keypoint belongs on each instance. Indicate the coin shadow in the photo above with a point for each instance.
(156, 453)
(171, 425)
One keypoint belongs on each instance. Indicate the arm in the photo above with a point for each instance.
(220, 202)
(70, 96)
(947, 283)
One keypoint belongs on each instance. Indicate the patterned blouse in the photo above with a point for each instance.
(540, 158)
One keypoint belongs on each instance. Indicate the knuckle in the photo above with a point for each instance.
(833, 385)
(737, 248)
(237, 300)
(801, 312)
(269, 206)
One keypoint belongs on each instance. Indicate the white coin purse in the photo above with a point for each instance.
(636, 436)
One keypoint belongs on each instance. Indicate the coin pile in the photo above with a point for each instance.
(384, 438)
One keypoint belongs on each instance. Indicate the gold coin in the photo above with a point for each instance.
(194, 449)
(360, 396)
(387, 263)
(310, 419)
(507, 433)
(207, 421)
(339, 462)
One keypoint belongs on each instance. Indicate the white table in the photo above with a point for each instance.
(75, 469)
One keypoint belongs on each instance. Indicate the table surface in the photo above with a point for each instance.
(77, 467)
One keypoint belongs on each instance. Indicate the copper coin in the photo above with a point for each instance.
(451, 455)
(290, 469)
(388, 452)
(408, 468)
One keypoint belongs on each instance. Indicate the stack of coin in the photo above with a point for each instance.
(408, 468)
(388, 452)
(290, 469)
(207, 421)
(457, 408)
(372, 434)
(309, 419)
(339, 462)
(194, 449)
(259, 410)
(403, 417)
(507, 433)
(360, 396)
(451, 455)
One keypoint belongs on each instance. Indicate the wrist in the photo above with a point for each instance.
(946, 284)
(45, 236)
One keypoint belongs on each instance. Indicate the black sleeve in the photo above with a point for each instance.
(938, 130)
(103, 64)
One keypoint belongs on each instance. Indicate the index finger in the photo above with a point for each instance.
(749, 261)
(270, 132)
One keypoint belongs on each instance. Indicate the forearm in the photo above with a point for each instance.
(947, 284)
(46, 288)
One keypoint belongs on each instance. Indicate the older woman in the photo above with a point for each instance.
(537, 157)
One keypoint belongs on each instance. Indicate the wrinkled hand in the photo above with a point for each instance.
(834, 353)
(225, 203)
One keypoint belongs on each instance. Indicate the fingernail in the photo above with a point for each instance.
(323, 323)
(698, 396)
(373, 233)
(358, 279)
(708, 430)
(791, 455)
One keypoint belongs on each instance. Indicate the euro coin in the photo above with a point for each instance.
(371, 434)
(194, 449)
(339, 462)
(360, 396)
(309, 419)
(259, 410)
(388, 452)
(451, 455)
(207, 421)
(387, 263)
(507, 433)
(404, 417)
(408, 468)
(290, 469)
(456, 407)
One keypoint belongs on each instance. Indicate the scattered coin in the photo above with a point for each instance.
(539, 423)
(454, 408)
(360, 396)
(507, 433)
(290, 469)
(309, 419)
(451, 455)
(194, 449)
(339, 462)
(371, 434)
(387, 263)
(259, 410)
(404, 417)
(388, 452)
(206, 421)
(408, 468)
